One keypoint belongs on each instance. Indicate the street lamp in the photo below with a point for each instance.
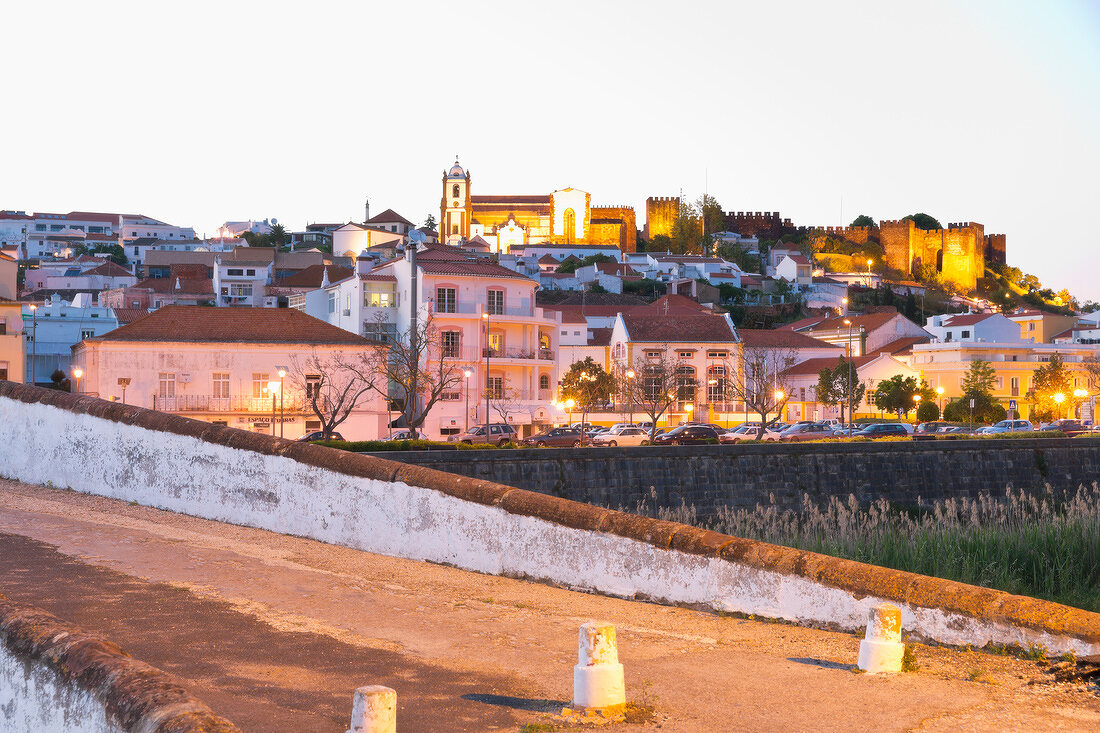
(272, 388)
(845, 302)
(282, 373)
(467, 374)
(869, 273)
(485, 316)
(1059, 398)
(916, 398)
(34, 343)
(939, 398)
(689, 408)
(848, 386)
(77, 374)
(630, 393)
(569, 403)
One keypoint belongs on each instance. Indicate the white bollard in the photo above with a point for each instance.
(374, 710)
(598, 680)
(881, 650)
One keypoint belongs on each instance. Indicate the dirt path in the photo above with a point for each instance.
(274, 632)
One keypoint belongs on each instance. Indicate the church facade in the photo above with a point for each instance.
(565, 216)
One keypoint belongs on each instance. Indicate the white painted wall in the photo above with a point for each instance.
(34, 697)
(187, 475)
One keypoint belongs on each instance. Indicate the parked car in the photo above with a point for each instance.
(620, 425)
(928, 430)
(402, 435)
(622, 436)
(884, 430)
(318, 435)
(805, 431)
(748, 433)
(555, 438)
(1011, 426)
(832, 422)
(499, 434)
(1069, 427)
(687, 435)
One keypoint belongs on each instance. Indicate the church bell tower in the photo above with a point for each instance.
(455, 208)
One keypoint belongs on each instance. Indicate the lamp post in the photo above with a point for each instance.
(467, 374)
(1059, 398)
(282, 373)
(77, 374)
(569, 407)
(689, 408)
(630, 393)
(34, 343)
(848, 386)
(939, 398)
(916, 398)
(845, 302)
(485, 316)
(779, 395)
(272, 387)
(869, 273)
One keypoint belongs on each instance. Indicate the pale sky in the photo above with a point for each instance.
(200, 112)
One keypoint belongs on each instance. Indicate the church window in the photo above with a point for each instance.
(454, 229)
(570, 220)
(454, 192)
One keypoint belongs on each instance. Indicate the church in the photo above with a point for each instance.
(565, 216)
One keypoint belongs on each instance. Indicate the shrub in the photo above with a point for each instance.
(927, 412)
(379, 446)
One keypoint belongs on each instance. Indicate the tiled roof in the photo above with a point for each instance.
(680, 328)
(967, 319)
(311, 276)
(548, 259)
(599, 336)
(370, 277)
(522, 200)
(189, 285)
(129, 315)
(110, 269)
(197, 324)
(799, 259)
(674, 302)
(815, 365)
(781, 339)
(902, 345)
(389, 216)
(869, 322)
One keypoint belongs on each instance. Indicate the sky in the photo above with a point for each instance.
(201, 112)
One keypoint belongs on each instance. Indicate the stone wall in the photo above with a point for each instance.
(55, 677)
(710, 477)
(377, 505)
(660, 212)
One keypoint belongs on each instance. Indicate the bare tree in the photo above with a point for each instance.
(506, 402)
(417, 372)
(760, 381)
(1091, 365)
(657, 377)
(333, 384)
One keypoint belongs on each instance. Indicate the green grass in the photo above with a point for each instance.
(1042, 545)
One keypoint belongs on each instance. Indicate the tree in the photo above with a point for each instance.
(653, 387)
(980, 379)
(1091, 365)
(115, 253)
(506, 402)
(571, 266)
(712, 219)
(985, 410)
(417, 373)
(923, 221)
(659, 243)
(839, 385)
(60, 381)
(333, 384)
(928, 411)
(735, 252)
(588, 385)
(896, 394)
(863, 221)
(686, 234)
(761, 382)
(1052, 389)
(429, 223)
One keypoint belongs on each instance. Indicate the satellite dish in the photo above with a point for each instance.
(274, 221)
(416, 237)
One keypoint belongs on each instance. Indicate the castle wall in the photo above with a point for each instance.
(660, 212)
(896, 238)
(755, 223)
(614, 225)
(995, 249)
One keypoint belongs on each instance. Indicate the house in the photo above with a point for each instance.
(352, 240)
(870, 370)
(972, 327)
(184, 285)
(795, 268)
(1040, 326)
(866, 333)
(222, 365)
(243, 283)
(11, 323)
(9, 277)
(55, 326)
(389, 220)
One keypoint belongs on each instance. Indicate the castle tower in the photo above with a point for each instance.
(660, 212)
(455, 207)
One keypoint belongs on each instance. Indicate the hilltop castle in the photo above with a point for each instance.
(565, 216)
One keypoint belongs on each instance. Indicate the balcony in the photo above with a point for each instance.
(467, 308)
(235, 403)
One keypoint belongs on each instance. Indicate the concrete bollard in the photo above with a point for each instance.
(881, 650)
(598, 680)
(374, 710)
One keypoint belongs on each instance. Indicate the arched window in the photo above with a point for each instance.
(716, 384)
(939, 260)
(544, 381)
(454, 191)
(685, 384)
(570, 220)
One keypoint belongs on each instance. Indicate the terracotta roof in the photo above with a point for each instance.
(672, 302)
(680, 328)
(189, 285)
(6, 257)
(799, 259)
(548, 259)
(781, 339)
(475, 267)
(902, 345)
(869, 322)
(110, 269)
(615, 268)
(815, 365)
(129, 315)
(828, 280)
(389, 216)
(312, 275)
(967, 319)
(197, 324)
(599, 336)
(369, 277)
(521, 200)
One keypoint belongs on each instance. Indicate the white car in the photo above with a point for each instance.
(1012, 426)
(621, 436)
(748, 432)
(621, 425)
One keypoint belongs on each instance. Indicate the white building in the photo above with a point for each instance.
(243, 283)
(53, 328)
(973, 327)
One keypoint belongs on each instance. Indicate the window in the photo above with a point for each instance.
(383, 333)
(716, 384)
(454, 191)
(965, 335)
(653, 354)
(378, 296)
(251, 272)
(313, 386)
(234, 272)
(496, 388)
(259, 385)
(167, 385)
(570, 225)
(544, 381)
(219, 385)
(685, 354)
(564, 333)
(454, 229)
(85, 333)
(446, 300)
(240, 290)
(496, 343)
(450, 396)
(685, 384)
(999, 383)
(3, 326)
(3, 370)
(1014, 387)
(332, 302)
(495, 302)
(450, 344)
(717, 354)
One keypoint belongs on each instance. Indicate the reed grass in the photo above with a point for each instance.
(1044, 544)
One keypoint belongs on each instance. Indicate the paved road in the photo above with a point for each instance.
(274, 632)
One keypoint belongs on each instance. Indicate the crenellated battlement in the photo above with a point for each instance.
(663, 199)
